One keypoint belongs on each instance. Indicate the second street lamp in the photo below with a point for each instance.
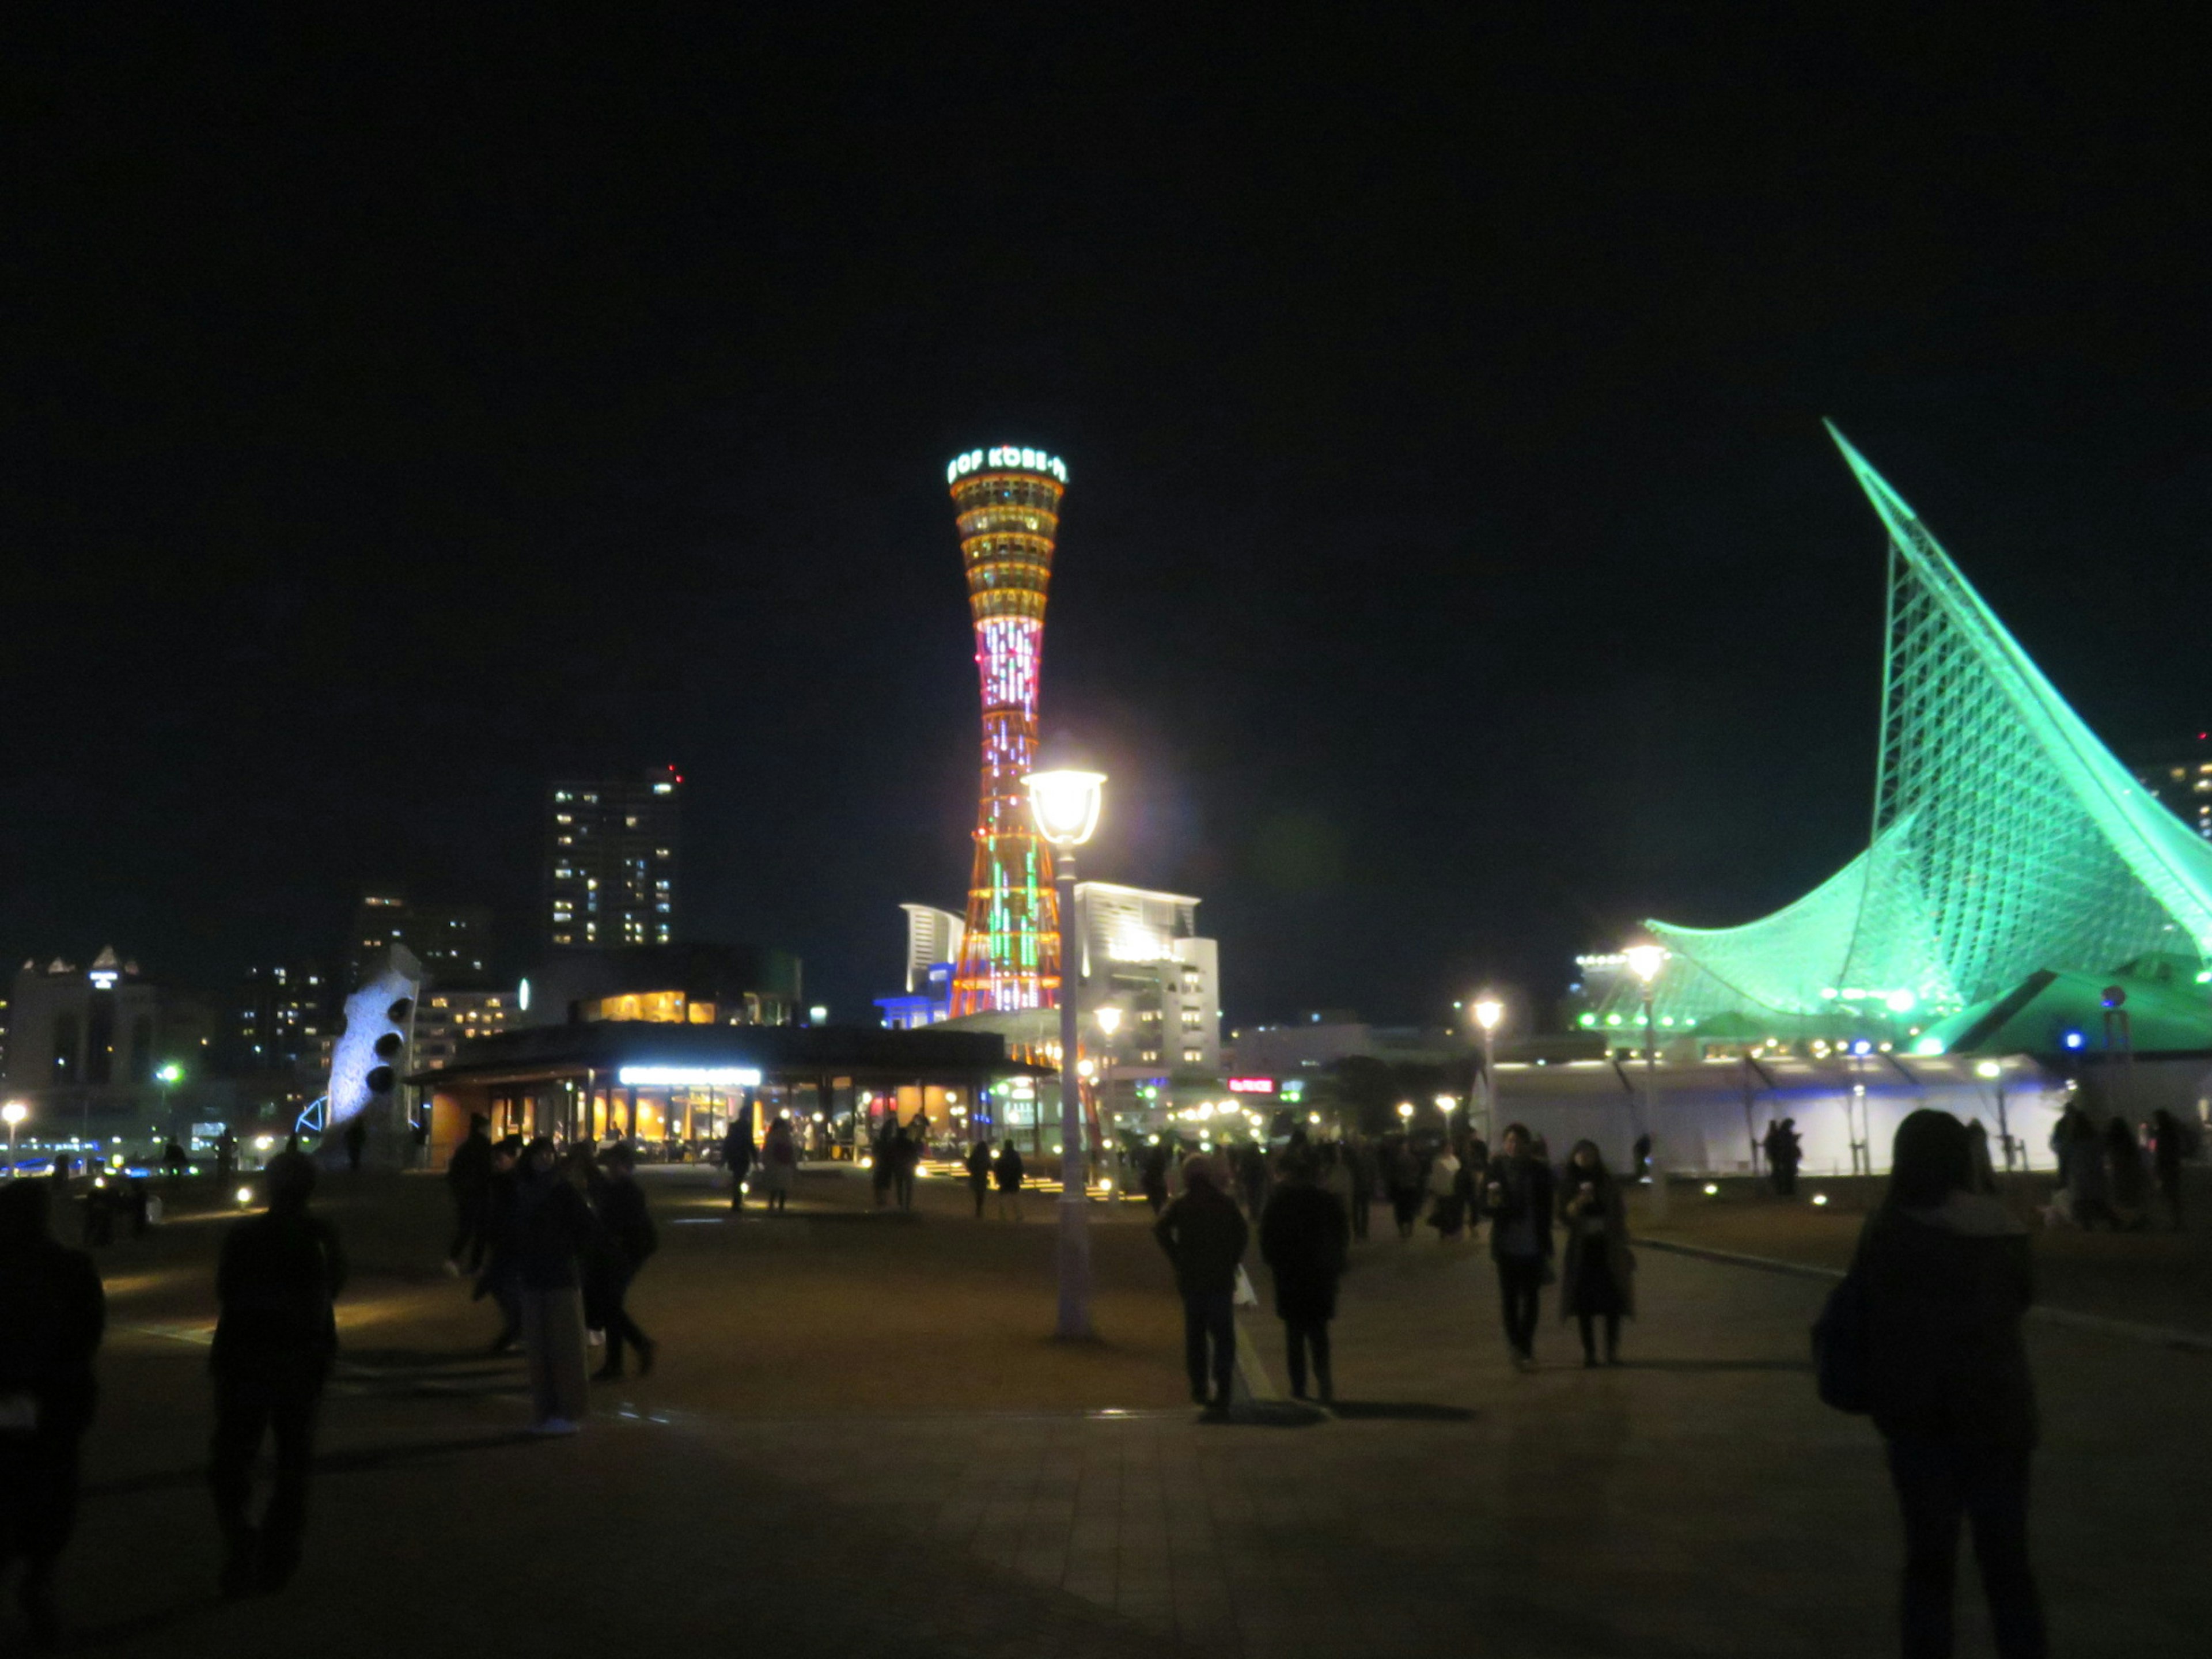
(1488, 1010)
(1065, 806)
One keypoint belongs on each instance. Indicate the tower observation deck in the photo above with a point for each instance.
(1008, 504)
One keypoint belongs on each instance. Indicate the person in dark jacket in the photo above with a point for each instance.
(355, 1141)
(738, 1159)
(1009, 1169)
(549, 1227)
(2168, 1146)
(275, 1338)
(497, 1279)
(1359, 1162)
(1402, 1174)
(2130, 1181)
(978, 1165)
(625, 1237)
(1946, 1278)
(468, 1178)
(1597, 1280)
(1517, 1197)
(52, 1313)
(1204, 1234)
(906, 1154)
(1304, 1238)
(1152, 1177)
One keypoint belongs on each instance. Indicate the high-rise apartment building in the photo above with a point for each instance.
(612, 854)
(451, 941)
(2180, 779)
(279, 1019)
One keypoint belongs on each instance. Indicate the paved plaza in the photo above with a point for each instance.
(859, 1442)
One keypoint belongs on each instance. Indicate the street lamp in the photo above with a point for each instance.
(1644, 960)
(14, 1112)
(1065, 806)
(1488, 1010)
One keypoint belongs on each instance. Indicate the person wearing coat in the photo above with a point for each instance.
(978, 1165)
(2168, 1147)
(276, 1337)
(1946, 1278)
(625, 1238)
(1010, 1173)
(1304, 1238)
(779, 1163)
(53, 1314)
(1204, 1234)
(1597, 1275)
(549, 1227)
(737, 1157)
(1517, 1197)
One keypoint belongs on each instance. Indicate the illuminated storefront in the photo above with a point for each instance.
(678, 1087)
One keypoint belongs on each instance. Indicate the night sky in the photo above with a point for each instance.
(1454, 568)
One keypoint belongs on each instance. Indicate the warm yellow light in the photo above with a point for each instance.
(1488, 1010)
(14, 1112)
(1987, 1069)
(1644, 960)
(1065, 804)
(1405, 1109)
(1109, 1019)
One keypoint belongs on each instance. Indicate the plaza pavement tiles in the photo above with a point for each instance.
(1698, 1500)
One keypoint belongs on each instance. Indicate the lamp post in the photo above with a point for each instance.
(1646, 961)
(1488, 1010)
(14, 1112)
(1065, 806)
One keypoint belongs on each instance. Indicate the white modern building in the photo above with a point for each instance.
(932, 936)
(1139, 951)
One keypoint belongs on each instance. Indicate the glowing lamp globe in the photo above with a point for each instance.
(14, 1112)
(1488, 1010)
(1109, 1019)
(1987, 1069)
(1644, 960)
(1065, 804)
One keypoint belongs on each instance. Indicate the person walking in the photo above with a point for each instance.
(1204, 1234)
(549, 1227)
(737, 1156)
(1359, 1162)
(1009, 1169)
(1304, 1238)
(2089, 1177)
(906, 1156)
(1946, 1277)
(468, 1178)
(1518, 1199)
(1403, 1166)
(2130, 1181)
(496, 1278)
(779, 1163)
(626, 1236)
(53, 1314)
(978, 1165)
(275, 1335)
(1152, 1177)
(1473, 1175)
(1597, 1277)
(1445, 1207)
(2168, 1147)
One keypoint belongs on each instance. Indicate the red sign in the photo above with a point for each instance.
(1251, 1085)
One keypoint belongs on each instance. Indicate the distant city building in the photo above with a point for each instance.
(1313, 1043)
(452, 942)
(611, 855)
(2180, 779)
(279, 1019)
(1138, 951)
(665, 984)
(445, 1020)
(932, 938)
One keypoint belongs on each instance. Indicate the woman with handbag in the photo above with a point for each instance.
(1597, 1280)
(1943, 1277)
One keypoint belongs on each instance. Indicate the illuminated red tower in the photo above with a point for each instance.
(1008, 500)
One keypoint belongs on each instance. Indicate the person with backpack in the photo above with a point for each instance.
(1929, 1322)
(275, 1336)
(53, 1314)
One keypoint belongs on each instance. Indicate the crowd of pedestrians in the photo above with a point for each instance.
(2107, 1176)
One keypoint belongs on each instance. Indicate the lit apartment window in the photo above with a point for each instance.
(1193, 1056)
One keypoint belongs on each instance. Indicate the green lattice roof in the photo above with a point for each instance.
(2006, 839)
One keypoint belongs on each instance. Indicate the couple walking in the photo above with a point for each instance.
(1596, 1279)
